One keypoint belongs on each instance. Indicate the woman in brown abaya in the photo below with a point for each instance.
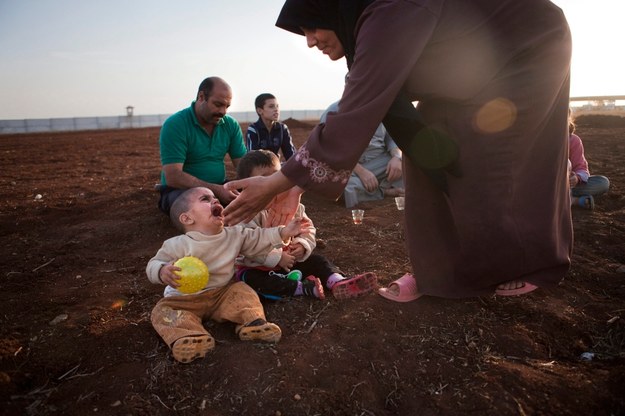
(485, 150)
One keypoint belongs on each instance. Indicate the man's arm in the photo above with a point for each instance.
(287, 147)
(394, 166)
(251, 138)
(367, 177)
(394, 169)
(396, 153)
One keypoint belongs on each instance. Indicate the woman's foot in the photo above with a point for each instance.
(514, 288)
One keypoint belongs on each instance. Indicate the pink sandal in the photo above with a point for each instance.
(407, 289)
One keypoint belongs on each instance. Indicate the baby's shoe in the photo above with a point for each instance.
(356, 286)
(187, 349)
(260, 330)
(313, 287)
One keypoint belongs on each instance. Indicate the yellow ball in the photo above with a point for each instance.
(193, 276)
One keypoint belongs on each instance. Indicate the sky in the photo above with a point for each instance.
(70, 58)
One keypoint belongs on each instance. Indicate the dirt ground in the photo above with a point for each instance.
(78, 223)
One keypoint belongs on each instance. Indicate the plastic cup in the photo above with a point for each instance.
(357, 215)
(399, 201)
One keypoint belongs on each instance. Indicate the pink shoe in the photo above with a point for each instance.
(356, 286)
(406, 289)
(311, 284)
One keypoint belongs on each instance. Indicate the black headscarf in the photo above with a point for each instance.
(402, 120)
(339, 16)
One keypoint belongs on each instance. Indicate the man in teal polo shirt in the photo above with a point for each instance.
(194, 142)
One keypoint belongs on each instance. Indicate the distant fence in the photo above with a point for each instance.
(598, 103)
(125, 122)
(79, 123)
(612, 98)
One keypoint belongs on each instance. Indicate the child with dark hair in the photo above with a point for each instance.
(268, 132)
(293, 270)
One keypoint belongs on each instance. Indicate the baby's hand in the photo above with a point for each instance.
(286, 261)
(306, 226)
(167, 275)
(297, 250)
(291, 230)
(296, 227)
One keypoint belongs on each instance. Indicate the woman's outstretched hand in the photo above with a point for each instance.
(255, 194)
(283, 207)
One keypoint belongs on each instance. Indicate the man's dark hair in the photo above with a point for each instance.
(206, 86)
(259, 102)
(255, 159)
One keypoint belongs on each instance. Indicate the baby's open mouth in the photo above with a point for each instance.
(217, 210)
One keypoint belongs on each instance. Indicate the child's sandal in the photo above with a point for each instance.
(586, 201)
(187, 349)
(260, 330)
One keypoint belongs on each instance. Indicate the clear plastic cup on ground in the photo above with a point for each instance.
(399, 201)
(357, 215)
